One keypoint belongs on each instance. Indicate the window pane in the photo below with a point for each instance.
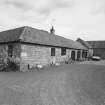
(63, 51)
(10, 50)
(52, 51)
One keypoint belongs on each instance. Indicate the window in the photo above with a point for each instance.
(10, 50)
(63, 51)
(52, 51)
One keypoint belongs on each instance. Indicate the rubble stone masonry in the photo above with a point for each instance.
(32, 55)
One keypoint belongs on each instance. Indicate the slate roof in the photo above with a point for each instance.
(97, 44)
(32, 35)
(85, 43)
(11, 35)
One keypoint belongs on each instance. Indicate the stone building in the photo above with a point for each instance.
(32, 47)
(98, 48)
(88, 46)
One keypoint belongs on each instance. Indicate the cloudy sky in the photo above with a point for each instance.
(71, 18)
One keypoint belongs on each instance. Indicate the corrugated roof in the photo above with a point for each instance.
(97, 44)
(32, 35)
(85, 43)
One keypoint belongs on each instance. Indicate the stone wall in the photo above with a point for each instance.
(32, 55)
(16, 50)
(4, 53)
(90, 53)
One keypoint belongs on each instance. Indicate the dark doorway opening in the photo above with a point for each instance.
(84, 54)
(78, 55)
(73, 55)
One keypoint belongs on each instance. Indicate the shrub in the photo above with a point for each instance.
(12, 64)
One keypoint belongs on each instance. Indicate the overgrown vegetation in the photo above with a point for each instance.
(10, 64)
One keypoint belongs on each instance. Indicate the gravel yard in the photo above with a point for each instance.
(102, 62)
(75, 84)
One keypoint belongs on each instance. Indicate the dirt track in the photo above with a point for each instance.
(75, 84)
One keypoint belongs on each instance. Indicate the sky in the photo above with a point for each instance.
(71, 18)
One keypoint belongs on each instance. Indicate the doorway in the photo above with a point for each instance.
(78, 55)
(73, 55)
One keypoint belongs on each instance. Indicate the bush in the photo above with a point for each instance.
(11, 65)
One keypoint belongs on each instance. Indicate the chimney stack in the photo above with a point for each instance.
(52, 30)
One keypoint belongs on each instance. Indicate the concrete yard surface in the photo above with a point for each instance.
(75, 84)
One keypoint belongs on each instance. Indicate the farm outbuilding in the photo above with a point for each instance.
(31, 47)
(98, 48)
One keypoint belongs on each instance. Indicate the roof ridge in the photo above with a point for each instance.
(22, 33)
(85, 43)
(34, 35)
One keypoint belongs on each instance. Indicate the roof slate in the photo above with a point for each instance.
(32, 35)
(85, 43)
(11, 35)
